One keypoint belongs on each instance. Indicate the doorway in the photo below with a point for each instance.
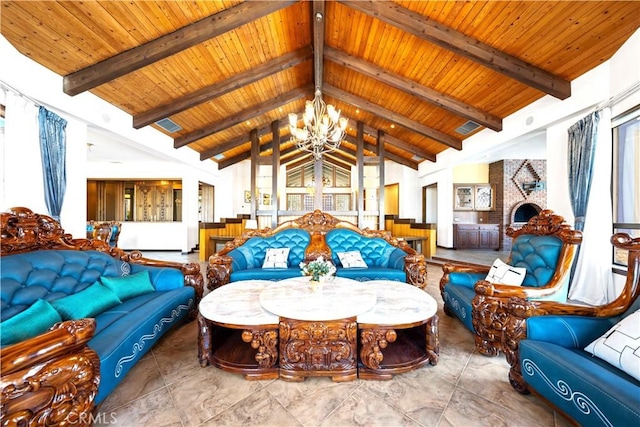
(392, 199)
(430, 204)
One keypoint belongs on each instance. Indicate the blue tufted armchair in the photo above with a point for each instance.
(545, 345)
(545, 247)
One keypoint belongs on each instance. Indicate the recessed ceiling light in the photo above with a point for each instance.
(357, 111)
(248, 123)
(392, 126)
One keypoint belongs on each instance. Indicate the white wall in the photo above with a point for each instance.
(550, 116)
(21, 168)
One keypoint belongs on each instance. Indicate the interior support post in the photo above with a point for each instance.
(381, 206)
(360, 166)
(275, 169)
(317, 188)
(255, 153)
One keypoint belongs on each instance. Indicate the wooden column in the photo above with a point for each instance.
(255, 153)
(360, 167)
(380, 147)
(275, 169)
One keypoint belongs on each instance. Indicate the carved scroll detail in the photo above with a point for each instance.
(266, 342)
(59, 392)
(433, 340)
(318, 346)
(372, 342)
(489, 316)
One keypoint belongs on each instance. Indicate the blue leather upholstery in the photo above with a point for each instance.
(589, 390)
(125, 332)
(538, 254)
(384, 261)
(248, 258)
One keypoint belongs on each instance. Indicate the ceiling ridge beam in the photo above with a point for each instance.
(218, 89)
(413, 88)
(390, 156)
(392, 116)
(403, 145)
(318, 42)
(169, 44)
(242, 116)
(461, 44)
(238, 141)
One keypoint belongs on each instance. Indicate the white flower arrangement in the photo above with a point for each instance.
(317, 269)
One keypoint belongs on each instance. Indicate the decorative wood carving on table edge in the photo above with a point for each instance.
(317, 223)
(520, 309)
(51, 379)
(327, 348)
(26, 231)
(489, 313)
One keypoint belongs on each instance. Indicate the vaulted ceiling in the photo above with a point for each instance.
(411, 75)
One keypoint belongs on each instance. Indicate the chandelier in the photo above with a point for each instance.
(323, 128)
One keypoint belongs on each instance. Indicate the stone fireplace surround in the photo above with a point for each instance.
(508, 177)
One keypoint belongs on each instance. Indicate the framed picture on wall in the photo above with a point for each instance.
(463, 197)
(484, 197)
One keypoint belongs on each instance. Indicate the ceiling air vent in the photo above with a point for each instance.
(168, 125)
(467, 128)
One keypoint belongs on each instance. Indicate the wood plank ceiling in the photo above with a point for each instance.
(412, 72)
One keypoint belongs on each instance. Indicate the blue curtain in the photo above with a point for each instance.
(53, 153)
(582, 145)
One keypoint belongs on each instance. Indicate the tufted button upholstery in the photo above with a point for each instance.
(539, 255)
(251, 254)
(376, 252)
(29, 276)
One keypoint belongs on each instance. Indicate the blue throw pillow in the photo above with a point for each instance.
(126, 287)
(86, 303)
(29, 323)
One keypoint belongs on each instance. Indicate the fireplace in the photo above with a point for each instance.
(524, 212)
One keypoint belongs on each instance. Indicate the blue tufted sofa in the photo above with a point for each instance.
(40, 263)
(309, 237)
(545, 345)
(545, 247)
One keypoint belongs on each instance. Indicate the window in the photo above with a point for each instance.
(626, 177)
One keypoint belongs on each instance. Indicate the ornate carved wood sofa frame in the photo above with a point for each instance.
(309, 237)
(545, 246)
(556, 367)
(57, 377)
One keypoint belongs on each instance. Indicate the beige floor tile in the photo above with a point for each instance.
(154, 409)
(364, 409)
(142, 379)
(313, 400)
(259, 409)
(209, 393)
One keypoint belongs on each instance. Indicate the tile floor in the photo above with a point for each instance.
(169, 388)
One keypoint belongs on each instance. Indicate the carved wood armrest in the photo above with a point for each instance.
(51, 379)
(454, 268)
(499, 290)
(522, 308)
(218, 271)
(416, 269)
(63, 337)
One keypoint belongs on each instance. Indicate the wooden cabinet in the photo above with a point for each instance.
(476, 236)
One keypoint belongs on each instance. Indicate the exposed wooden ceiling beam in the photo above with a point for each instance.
(213, 91)
(411, 87)
(242, 116)
(373, 108)
(236, 142)
(169, 44)
(390, 156)
(318, 42)
(455, 41)
(410, 148)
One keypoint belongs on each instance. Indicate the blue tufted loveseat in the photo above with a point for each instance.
(40, 265)
(545, 247)
(309, 237)
(545, 345)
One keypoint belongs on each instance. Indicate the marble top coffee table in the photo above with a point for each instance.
(294, 332)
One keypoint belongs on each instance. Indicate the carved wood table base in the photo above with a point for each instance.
(398, 332)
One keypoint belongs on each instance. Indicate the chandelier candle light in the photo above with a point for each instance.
(323, 129)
